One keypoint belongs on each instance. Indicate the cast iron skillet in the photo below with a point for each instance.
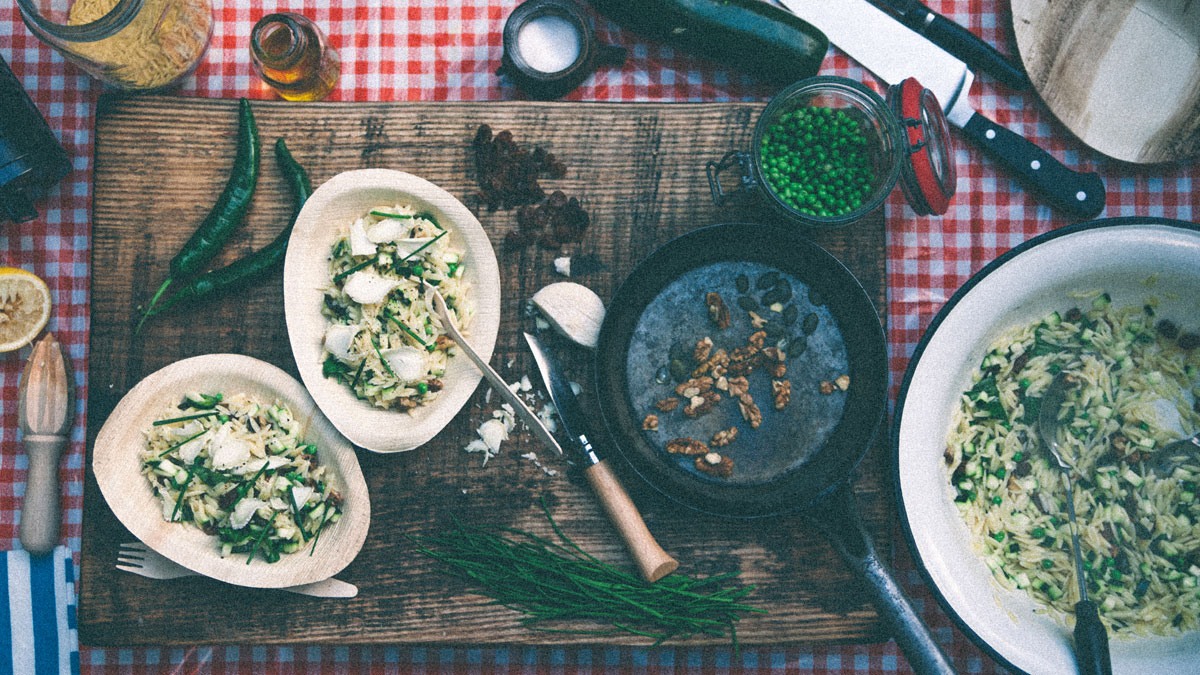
(801, 458)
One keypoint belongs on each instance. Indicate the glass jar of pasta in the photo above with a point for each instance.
(131, 44)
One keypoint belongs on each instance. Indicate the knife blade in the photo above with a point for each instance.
(893, 52)
(653, 562)
(957, 40)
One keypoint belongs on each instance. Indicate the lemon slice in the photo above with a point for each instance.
(24, 307)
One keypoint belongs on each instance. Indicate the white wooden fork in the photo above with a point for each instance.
(139, 559)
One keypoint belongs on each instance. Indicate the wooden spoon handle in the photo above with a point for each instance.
(653, 562)
(41, 514)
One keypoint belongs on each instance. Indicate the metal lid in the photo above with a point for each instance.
(927, 176)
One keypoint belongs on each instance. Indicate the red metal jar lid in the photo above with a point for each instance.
(927, 177)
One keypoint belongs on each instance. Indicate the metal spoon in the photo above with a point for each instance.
(522, 410)
(1091, 639)
(1176, 453)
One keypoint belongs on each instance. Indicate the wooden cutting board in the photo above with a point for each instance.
(1122, 75)
(638, 169)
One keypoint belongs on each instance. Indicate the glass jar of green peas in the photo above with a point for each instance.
(828, 150)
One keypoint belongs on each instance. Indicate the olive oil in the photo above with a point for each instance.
(291, 55)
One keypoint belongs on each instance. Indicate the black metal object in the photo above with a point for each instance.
(31, 158)
(795, 473)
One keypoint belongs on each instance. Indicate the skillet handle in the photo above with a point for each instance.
(653, 562)
(837, 517)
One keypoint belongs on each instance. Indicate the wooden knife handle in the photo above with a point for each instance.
(653, 562)
(41, 514)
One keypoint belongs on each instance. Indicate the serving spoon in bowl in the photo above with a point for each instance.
(1091, 638)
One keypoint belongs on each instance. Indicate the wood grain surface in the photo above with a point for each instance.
(638, 169)
(1122, 75)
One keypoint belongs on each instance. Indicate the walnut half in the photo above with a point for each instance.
(701, 404)
(714, 464)
(750, 411)
(781, 390)
(686, 446)
(718, 312)
(650, 423)
(694, 387)
(723, 437)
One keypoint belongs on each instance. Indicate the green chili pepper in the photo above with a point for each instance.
(240, 271)
(227, 213)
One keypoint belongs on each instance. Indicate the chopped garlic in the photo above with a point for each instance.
(563, 266)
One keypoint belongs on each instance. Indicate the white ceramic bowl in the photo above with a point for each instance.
(116, 463)
(1023, 285)
(326, 214)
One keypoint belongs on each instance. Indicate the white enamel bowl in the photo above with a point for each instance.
(326, 214)
(117, 466)
(1119, 256)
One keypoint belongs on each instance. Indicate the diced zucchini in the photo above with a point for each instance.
(1053, 591)
(1109, 603)
(1132, 478)
(992, 483)
(1053, 319)
(1101, 301)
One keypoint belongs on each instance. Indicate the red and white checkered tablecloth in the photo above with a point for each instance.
(447, 50)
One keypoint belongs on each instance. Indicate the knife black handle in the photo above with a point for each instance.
(1079, 195)
(964, 44)
(1091, 640)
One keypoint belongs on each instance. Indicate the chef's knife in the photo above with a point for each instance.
(653, 562)
(894, 52)
(957, 40)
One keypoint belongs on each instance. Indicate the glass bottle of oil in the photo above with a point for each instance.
(290, 53)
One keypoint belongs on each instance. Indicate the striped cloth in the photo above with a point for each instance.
(37, 624)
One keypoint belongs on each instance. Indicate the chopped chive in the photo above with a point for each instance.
(398, 216)
(388, 315)
(182, 490)
(183, 442)
(185, 418)
(296, 514)
(261, 536)
(347, 272)
(358, 373)
(245, 487)
(424, 246)
(320, 527)
(429, 216)
(381, 359)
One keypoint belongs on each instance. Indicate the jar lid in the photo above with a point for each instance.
(927, 176)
